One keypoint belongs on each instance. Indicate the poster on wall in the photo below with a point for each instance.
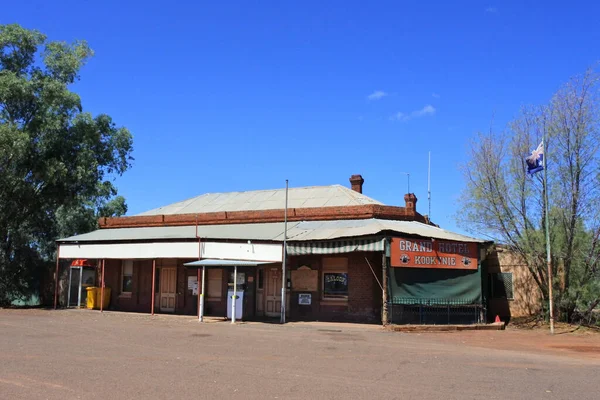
(193, 285)
(429, 253)
(305, 299)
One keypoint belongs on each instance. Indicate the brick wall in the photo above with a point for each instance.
(363, 304)
(526, 294)
(364, 298)
(247, 217)
(364, 292)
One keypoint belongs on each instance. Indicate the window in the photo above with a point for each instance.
(335, 278)
(501, 285)
(157, 281)
(214, 283)
(241, 280)
(126, 276)
(261, 279)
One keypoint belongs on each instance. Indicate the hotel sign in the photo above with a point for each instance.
(428, 253)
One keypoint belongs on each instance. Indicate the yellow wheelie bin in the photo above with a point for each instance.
(93, 297)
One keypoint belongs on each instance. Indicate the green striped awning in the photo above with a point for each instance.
(335, 246)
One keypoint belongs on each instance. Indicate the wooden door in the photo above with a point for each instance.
(273, 295)
(260, 292)
(168, 287)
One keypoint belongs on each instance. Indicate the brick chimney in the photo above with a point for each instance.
(357, 182)
(411, 201)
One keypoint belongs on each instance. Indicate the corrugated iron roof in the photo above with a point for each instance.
(303, 197)
(297, 231)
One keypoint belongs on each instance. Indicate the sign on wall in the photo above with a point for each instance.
(305, 299)
(193, 285)
(306, 279)
(430, 253)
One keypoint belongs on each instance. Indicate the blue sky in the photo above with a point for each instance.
(226, 96)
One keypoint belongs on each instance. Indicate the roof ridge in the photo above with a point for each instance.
(281, 188)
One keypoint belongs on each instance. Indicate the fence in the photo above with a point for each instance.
(435, 311)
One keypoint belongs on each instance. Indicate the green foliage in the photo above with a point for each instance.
(57, 162)
(502, 202)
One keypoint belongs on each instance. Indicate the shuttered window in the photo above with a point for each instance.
(501, 285)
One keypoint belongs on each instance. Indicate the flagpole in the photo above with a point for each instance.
(283, 264)
(548, 253)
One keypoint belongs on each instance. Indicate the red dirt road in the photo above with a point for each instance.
(80, 354)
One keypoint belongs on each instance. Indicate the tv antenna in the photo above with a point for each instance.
(407, 180)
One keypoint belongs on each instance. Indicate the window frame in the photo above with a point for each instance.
(124, 264)
(494, 278)
(335, 265)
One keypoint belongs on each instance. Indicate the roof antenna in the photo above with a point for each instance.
(408, 180)
(429, 186)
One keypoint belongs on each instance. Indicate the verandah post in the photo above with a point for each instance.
(102, 288)
(203, 290)
(56, 278)
(384, 280)
(234, 297)
(153, 285)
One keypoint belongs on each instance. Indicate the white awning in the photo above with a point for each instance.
(194, 250)
(335, 247)
(224, 263)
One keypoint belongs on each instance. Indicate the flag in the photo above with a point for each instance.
(535, 162)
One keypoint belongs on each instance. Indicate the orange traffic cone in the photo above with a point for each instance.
(497, 318)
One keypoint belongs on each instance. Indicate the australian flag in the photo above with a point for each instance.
(535, 162)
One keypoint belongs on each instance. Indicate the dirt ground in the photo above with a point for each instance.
(81, 354)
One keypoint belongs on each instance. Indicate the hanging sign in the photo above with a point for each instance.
(428, 253)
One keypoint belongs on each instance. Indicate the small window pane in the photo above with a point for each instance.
(128, 267)
(127, 283)
(335, 284)
(126, 276)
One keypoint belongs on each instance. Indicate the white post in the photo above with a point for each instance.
(79, 289)
(234, 297)
(201, 317)
(548, 250)
(283, 264)
(69, 292)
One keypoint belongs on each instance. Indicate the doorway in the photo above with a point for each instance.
(273, 292)
(168, 286)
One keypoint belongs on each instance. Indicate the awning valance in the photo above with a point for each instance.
(191, 250)
(335, 247)
(224, 263)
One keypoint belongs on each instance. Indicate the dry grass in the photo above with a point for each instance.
(535, 323)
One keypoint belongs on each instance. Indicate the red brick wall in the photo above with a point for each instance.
(363, 304)
(141, 295)
(248, 217)
(364, 292)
